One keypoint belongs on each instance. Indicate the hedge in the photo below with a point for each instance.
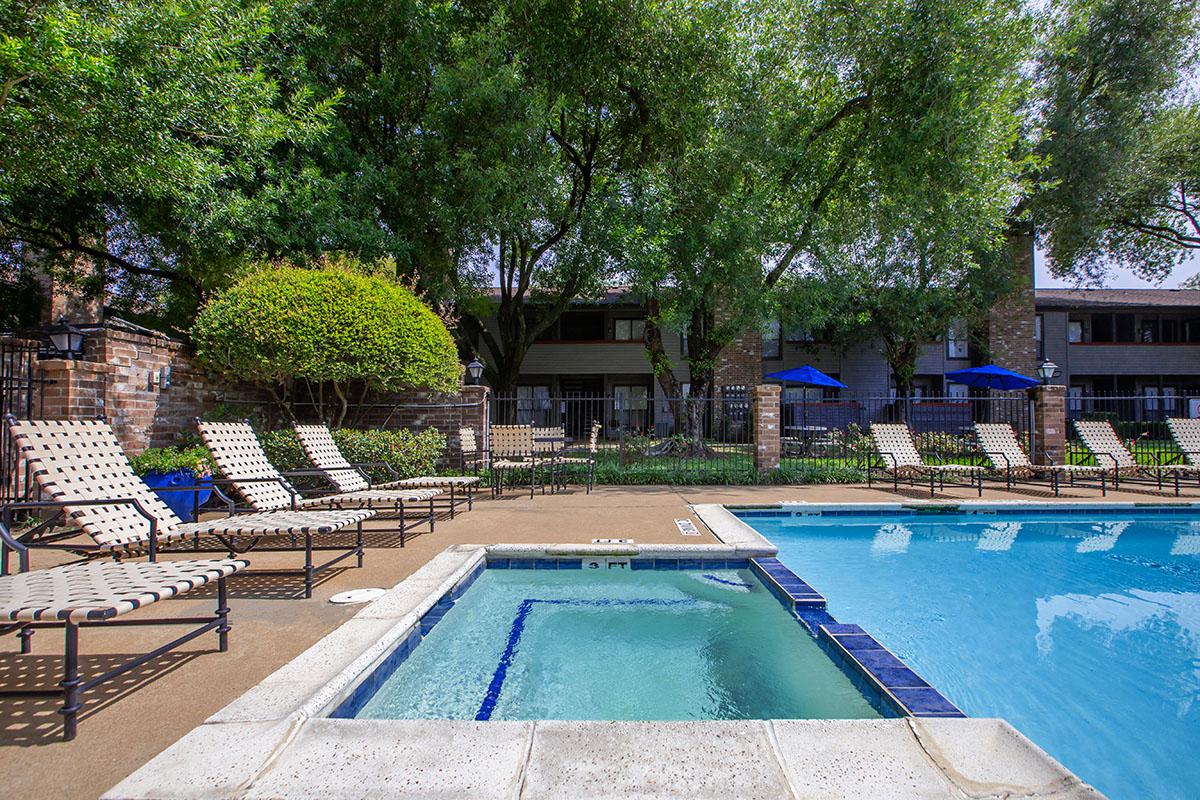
(410, 454)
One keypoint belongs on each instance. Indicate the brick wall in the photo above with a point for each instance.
(739, 363)
(120, 377)
(1011, 321)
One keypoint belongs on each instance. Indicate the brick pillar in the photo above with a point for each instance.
(1049, 423)
(765, 407)
(77, 391)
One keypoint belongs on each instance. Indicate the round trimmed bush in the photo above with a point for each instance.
(326, 326)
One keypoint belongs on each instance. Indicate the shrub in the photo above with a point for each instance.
(329, 329)
(169, 459)
(410, 454)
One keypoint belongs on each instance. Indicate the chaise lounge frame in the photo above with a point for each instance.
(998, 443)
(895, 446)
(324, 453)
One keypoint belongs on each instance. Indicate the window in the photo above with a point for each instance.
(1151, 395)
(1075, 399)
(956, 391)
(533, 405)
(1037, 335)
(1074, 331)
(683, 345)
(772, 346)
(1170, 330)
(956, 339)
(582, 326)
(1124, 327)
(629, 330)
(1102, 328)
(630, 404)
(798, 334)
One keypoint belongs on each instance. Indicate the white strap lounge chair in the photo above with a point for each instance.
(900, 458)
(565, 459)
(1101, 440)
(94, 594)
(245, 466)
(326, 456)
(998, 443)
(469, 451)
(512, 448)
(83, 473)
(1186, 433)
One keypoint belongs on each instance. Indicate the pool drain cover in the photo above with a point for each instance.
(356, 596)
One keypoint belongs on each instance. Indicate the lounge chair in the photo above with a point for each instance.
(512, 448)
(564, 458)
(469, 451)
(896, 448)
(84, 475)
(93, 594)
(998, 442)
(1101, 440)
(326, 456)
(1186, 433)
(244, 464)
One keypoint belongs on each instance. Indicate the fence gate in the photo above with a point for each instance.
(21, 397)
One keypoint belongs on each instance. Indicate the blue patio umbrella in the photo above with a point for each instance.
(809, 376)
(992, 377)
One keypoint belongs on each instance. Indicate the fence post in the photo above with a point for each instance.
(1050, 423)
(765, 400)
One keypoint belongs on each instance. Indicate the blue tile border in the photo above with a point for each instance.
(909, 693)
(816, 513)
(873, 667)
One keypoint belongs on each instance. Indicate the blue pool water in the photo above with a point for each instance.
(1082, 628)
(526, 644)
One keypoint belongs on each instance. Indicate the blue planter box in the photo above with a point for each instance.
(181, 503)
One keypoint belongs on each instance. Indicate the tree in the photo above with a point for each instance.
(1117, 138)
(827, 131)
(902, 288)
(132, 134)
(325, 336)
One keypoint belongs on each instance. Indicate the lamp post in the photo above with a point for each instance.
(1047, 370)
(66, 339)
(474, 372)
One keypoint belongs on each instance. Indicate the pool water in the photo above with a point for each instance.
(1081, 629)
(647, 645)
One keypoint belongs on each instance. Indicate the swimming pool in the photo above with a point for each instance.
(574, 644)
(1081, 628)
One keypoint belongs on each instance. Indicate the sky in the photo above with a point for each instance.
(1118, 278)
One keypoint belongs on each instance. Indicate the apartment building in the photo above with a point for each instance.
(1128, 342)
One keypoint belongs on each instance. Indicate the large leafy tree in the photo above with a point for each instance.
(1117, 131)
(876, 133)
(132, 135)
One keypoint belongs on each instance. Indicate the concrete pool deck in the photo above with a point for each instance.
(127, 724)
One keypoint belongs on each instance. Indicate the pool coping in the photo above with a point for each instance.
(276, 741)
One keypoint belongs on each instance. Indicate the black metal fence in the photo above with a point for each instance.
(1140, 421)
(648, 438)
(836, 431)
(20, 396)
(645, 439)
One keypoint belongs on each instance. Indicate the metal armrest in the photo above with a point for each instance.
(280, 480)
(60, 505)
